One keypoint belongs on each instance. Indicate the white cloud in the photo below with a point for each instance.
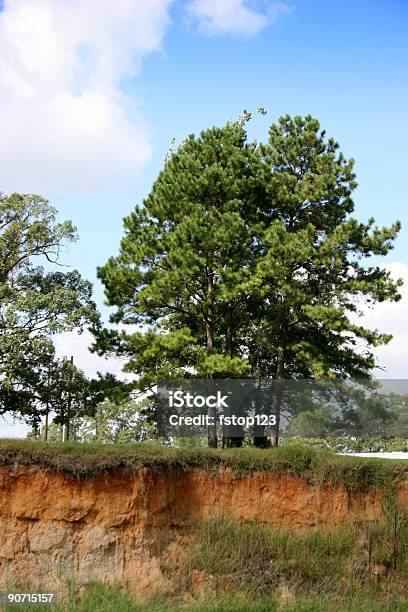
(392, 318)
(77, 345)
(223, 16)
(66, 122)
(65, 119)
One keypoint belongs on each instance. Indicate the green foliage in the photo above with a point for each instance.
(182, 260)
(34, 303)
(33, 300)
(313, 271)
(312, 423)
(111, 423)
(64, 393)
(54, 434)
(398, 405)
(244, 260)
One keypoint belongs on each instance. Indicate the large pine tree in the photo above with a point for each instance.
(244, 260)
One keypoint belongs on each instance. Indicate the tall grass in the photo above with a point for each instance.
(265, 556)
(328, 569)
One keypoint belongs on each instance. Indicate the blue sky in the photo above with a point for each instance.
(345, 63)
(93, 92)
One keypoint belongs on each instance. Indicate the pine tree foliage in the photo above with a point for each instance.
(246, 260)
(183, 261)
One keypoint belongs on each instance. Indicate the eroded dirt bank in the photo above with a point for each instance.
(110, 527)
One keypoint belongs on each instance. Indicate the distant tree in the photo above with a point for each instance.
(65, 392)
(123, 423)
(315, 423)
(398, 408)
(34, 303)
(69, 395)
(54, 388)
(63, 399)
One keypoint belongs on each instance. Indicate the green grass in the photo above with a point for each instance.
(101, 598)
(265, 555)
(269, 568)
(310, 464)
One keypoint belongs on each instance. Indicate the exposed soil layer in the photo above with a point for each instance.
(111, 527)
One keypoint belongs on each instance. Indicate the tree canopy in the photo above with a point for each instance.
(245, 260)
(35, 303)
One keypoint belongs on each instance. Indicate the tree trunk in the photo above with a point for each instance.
(68, 421)
(277, 397)
(229, 336)
(209, 326)
(260, 439)
(233, 436)
(47, 408)
(212, 429)
(46, 426)
(212, 414)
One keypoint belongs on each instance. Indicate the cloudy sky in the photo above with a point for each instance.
(92, 92)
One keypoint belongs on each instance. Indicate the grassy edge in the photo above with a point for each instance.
(308, 463)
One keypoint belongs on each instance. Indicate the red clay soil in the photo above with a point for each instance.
(54, 527)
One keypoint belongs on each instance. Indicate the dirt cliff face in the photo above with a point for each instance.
(54, 527)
